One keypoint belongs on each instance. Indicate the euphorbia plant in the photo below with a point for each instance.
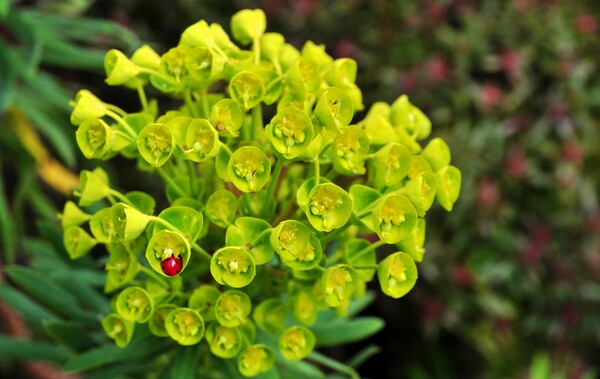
(267, 224)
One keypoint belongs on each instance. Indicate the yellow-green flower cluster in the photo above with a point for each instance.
(267, 223)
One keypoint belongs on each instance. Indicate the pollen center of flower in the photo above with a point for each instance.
(397, 272)
(186, 323)
(337, 281)
(295, 340)
(248, 169)
(233, 265)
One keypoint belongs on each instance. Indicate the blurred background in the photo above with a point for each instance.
(510, 283)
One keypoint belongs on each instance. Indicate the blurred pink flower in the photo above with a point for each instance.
(491, 95)
(510, 61)
(487, 193)
(572, 152)
(462, 275)
(586, 24)
(344, 48)
(516, 164)
(437, 69)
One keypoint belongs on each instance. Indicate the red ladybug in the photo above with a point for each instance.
(172, 266)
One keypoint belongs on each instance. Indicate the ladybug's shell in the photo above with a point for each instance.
(172, 266)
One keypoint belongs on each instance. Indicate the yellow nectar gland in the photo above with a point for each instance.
(230, 307)
(294, 340)
(253, 357)
(137, 302)
(397, 272)
(336, 282)
(291, 130)
(186, 323)
(248, 169)
(159, 142)
(323, 204)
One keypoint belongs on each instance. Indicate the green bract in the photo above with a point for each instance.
(156, 143)
(394, 218)
(290, 132)
(135, 304)
(203, 299)
(232, 308)
(77, 241)
(338, 284)
(296, 343)
(249, 169)
(248, 25)
(118, 329)
(233, 266)
(299, 194)
(165, 244)
(397, 274)
(87, 106)
(256, 359)
(329, 207)
(185, 326)
(269, 316)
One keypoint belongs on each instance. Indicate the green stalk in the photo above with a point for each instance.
(317, 357)
(169, 180)
(142, 95)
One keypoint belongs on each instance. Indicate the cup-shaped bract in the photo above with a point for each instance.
(87, 106)
(247, 89)
(271, 45)
(249, 169)
(185, 219)
(269, 316)
(93, 186)
(156, 323)
(77, 241)
(227, 117)
(203, 300)
(203, 65)
(121, 268)
(389, 166)
(304, 306)
(290, 132)
(165, 244)
(397, 274)
(146, 57)
(341, 72)
(394, 218)
(185, 326)
(119, 69)
(248, 25)
(329, 207)
(296, 343)
(334, 110)
(350, 149)
(338, 284)
(448, 186)
(135, 304)
(234, 266)
(255, 360)
(303, 76)
(129, 223)
(95, 139)
(224, 342)
(251, 233)
(309, 257)
(118, 329)
(221, 208)
(414, 243)
(72, 215)
(290, 239)
(198, 34)
(304, 190)
(156, 143)
(232, 308)
(410, 118)
(103, 227)
(201, 140)
(437, 153)
(421, 191)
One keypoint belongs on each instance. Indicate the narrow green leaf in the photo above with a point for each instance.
(122, 369)
(47, 292)
(185, 363)
(349, 331)
(31, 310)
(7, 227)
(69, 334)
(31, 350)
(140, 346)
(7, 78)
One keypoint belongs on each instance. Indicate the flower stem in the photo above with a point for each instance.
(142, 95)
(121, 197)
(187, 97)
(122, 122)
(317, 357)
(371, 247)
(169, 180)
(317, 171)
(275, 177)
(154, 275)
(257, 121)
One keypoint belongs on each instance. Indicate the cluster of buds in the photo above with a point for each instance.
(267, 224)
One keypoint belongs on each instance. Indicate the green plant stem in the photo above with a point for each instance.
(368, 209)
(187, 97)
(371, 247)
(205, 107)
(363, 355)
(192, 177)
(142, 95)
(260, 236)
(173, 228)
(275, 177)
(331, 236)
(169, 180)
(256, 48)
(121, 197)
(257, 121)
(122, 122)
(367, 267)
(317, 357)
(115, 109)
(154, 275)
(317, 171)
